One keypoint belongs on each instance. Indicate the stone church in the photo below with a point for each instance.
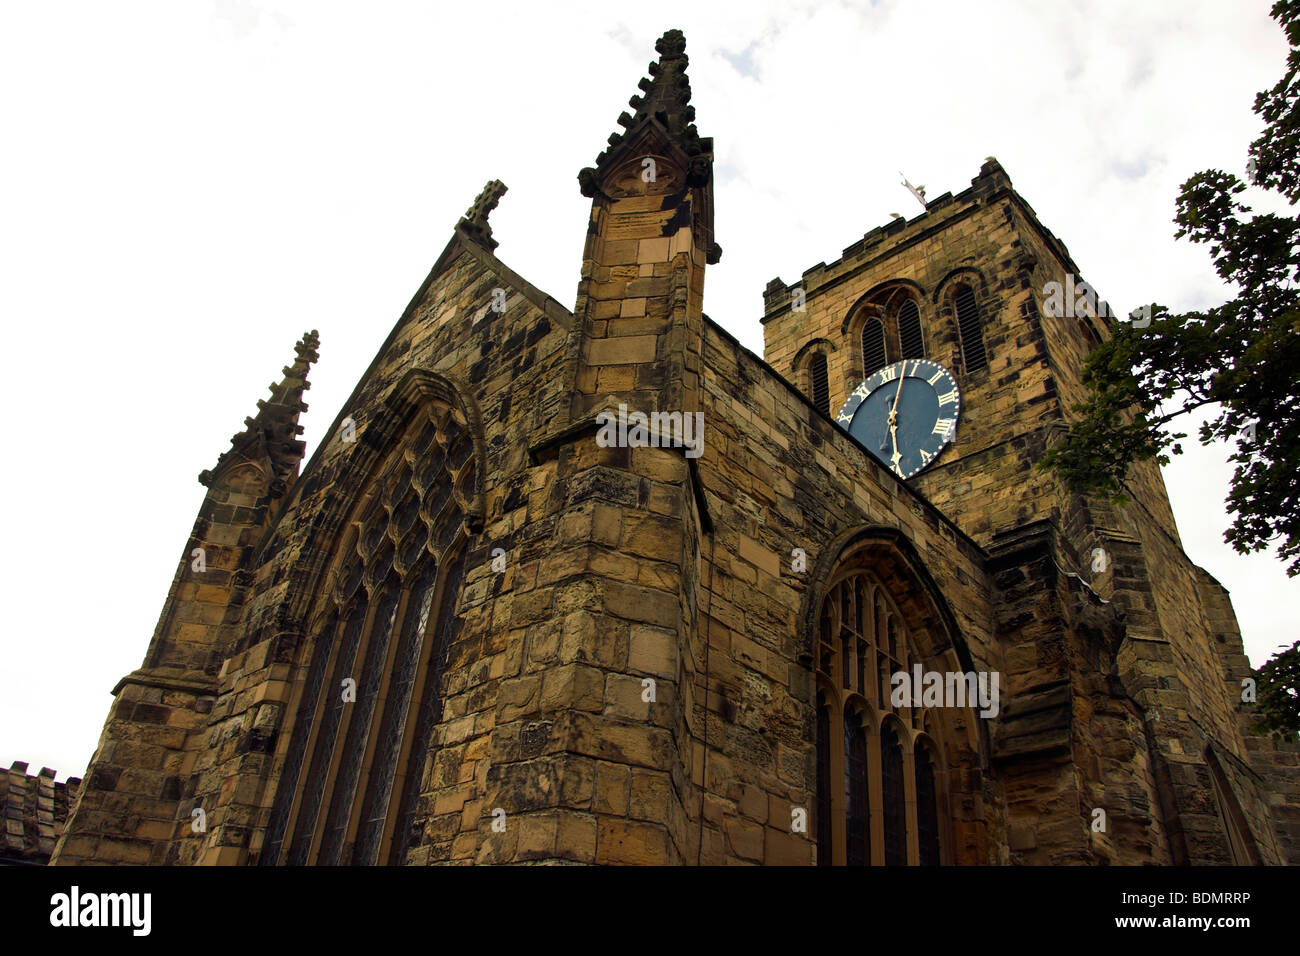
(846, 621)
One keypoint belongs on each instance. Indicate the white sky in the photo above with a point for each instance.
(185, 187)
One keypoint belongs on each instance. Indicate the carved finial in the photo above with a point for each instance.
(666, 99)
(475, 222)
(273, 432)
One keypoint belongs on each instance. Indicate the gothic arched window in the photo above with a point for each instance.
(873, 347)
(821, 394)
(909, 330)
(856, 831)
(969, 329)
(369, 703)
(891, 776)
(895, 799)
(927, 808)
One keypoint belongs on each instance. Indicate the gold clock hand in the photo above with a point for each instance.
(898, 394)
(893, 410)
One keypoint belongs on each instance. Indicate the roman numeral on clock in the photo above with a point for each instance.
(947, 397)
(887, 375)
(926, 457)
(934, 379)
(944, 426)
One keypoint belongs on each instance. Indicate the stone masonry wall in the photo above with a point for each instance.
(778, 476)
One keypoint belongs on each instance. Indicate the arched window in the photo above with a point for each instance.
(895, 801)
(969, 329)
(927, 808)
(909, 330)
(369, 705)
(891, 779)
(873, 347)
(855, 791)
(821, 394)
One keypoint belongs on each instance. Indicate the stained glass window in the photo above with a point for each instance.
(895, 810)
(875, 644)
(855, 791)
(370, 702)
(927, 810)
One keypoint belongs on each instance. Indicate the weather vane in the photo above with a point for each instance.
(917, 191)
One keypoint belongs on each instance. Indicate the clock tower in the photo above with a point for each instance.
(1088, 591)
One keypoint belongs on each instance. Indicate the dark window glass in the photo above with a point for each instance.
(864, 608)
(430, 708)
(314, 785)
(855, 792)
(873, 346)
(823, 809)
(821, 394)
(909, 331)
(968, 327)
(895, 811)
(927, 811)
(298, 745)
(359, 715)
(393, 723)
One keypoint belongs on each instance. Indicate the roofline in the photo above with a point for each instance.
(459, 242)
(971, 195)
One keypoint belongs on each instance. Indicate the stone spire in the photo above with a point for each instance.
(272, 434)
(666, 101)
(475, 223)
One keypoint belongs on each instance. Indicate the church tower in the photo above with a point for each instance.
(974, 286)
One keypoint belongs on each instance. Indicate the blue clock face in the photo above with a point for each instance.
(904, 414)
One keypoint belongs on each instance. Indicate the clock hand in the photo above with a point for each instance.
(893, 417)
(898, 394)
(893, 409)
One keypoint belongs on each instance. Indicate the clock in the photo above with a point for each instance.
(904, 414)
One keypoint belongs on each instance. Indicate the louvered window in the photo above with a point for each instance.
(873, 347)
(909, 331)
(821, 394)
(973, 356)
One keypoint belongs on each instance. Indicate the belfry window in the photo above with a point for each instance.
(881, 755)
(369, 702)
(969, 329)
(873, 347)
(909, 330)
(821, 394)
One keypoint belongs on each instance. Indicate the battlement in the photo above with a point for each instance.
(35, 810)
